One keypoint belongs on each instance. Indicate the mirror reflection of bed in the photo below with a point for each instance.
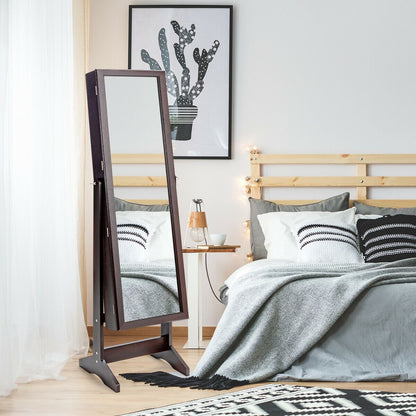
(144, 231)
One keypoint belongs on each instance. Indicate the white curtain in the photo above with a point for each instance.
(41, 163)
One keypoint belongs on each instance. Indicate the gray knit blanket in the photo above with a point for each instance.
(149, 289)
(276, 313)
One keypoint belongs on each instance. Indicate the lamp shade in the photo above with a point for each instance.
(197, 220)
(197, 232)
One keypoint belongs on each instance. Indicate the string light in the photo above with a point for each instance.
(246, 225)
(242, 185)
(252, 149)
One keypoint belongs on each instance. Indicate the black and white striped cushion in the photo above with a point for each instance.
(326, 242)
(389, 238)
(133, 241)
(134, 233)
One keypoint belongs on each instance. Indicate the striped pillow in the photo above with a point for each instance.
(133, 242)
(328, 242)
(388, 238)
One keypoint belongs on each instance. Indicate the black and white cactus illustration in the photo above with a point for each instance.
(182, 112)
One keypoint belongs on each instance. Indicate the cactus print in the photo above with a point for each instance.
(184, 96)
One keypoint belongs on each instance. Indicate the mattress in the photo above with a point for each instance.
(374, 339)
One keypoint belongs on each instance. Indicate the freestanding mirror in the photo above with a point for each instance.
(138, 268)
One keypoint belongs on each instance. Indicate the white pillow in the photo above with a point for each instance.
(366, 217)
(327, 241)
(159, 244)
(133, 237)
(277, 227)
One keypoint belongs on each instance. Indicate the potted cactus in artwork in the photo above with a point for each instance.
(183, 111)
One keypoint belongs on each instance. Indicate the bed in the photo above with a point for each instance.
(375, 337)
(327, 321)
(148, 272)
(309, 307)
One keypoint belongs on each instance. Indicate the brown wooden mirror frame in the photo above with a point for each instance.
(107, 293)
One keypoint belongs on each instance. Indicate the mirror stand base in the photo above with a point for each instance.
(102, 370)
(160, 348)
(174, 359)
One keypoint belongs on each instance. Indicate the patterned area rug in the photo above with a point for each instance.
(276, 400)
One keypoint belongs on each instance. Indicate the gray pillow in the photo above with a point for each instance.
(260, 206)
(372, 210)
(121, 205)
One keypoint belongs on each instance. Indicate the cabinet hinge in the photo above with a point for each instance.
(108, 232)
(102, 165)
(96, 90)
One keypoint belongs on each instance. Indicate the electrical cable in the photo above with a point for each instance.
(198, 207)
(209, 279)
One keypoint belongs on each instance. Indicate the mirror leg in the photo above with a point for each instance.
(170, 355)
(174, 359)
(93, 363)
(102, 370)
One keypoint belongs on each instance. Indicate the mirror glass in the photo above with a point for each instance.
(145, 246)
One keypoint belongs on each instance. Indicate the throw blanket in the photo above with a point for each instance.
(275, 314)
(149, 289)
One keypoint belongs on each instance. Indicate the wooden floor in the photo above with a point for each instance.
(81, 393)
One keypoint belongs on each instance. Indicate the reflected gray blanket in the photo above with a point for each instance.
(149, 289)
(276, 314)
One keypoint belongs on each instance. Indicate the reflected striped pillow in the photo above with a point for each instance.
(388, 238)
(133, 241)
(328, 242)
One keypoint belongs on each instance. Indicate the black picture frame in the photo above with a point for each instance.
(198, 71)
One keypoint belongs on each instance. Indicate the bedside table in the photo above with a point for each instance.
(194, 274)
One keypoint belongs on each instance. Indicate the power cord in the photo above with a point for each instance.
(209, 279)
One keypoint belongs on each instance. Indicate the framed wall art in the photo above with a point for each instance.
(192, 44)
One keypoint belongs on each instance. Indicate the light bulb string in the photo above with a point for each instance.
(209, 279)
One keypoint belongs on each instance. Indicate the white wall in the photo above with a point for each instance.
(321, 76)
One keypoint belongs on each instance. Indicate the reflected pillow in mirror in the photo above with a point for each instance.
(122, 205)
(133, 239)
(159, 245)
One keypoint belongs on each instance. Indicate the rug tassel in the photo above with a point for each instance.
(162, 379)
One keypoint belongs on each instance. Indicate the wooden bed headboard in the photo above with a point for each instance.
(362, 181)
(140, 181)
